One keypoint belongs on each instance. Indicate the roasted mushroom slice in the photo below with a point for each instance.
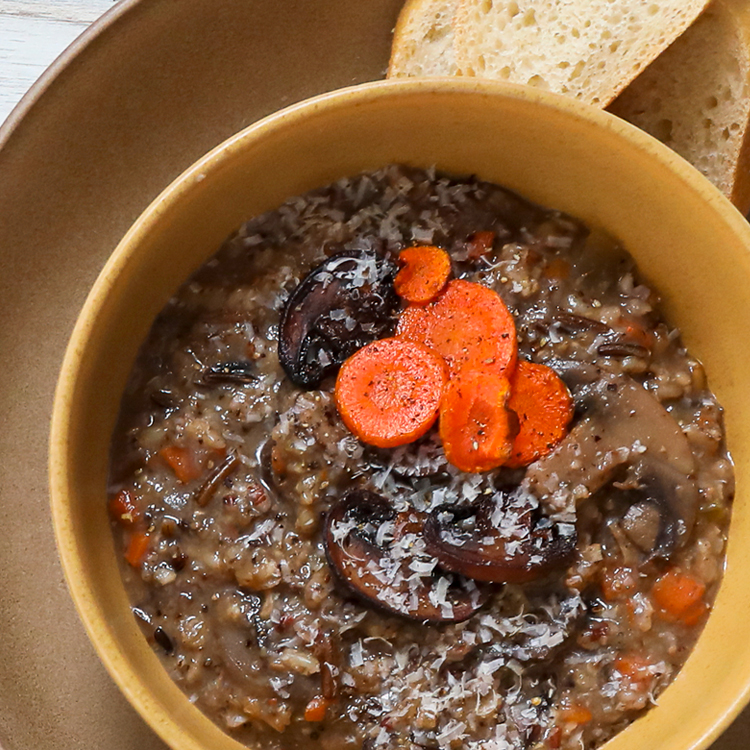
(623, 425)
(378, 555)
(500, 545)
(343, 304)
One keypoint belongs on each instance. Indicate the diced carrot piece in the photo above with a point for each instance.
(575, 714)
(479, 244)
(469, 325)
(317, 708)
(388, 393)
(476, 427)
(137, 547)
(123, 509)
(183, 462)
(679, 596)
(424, 274)
(544, 408)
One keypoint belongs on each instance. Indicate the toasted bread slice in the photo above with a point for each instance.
(695, 98)
(589, 49)
(423, 40)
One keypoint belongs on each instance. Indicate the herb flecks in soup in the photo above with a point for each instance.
(412, 462)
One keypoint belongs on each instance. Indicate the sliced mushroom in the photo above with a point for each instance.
(623, 425)
(512, 548)
(653, 520)
(378, 555)
(237, 641)
(343, 304)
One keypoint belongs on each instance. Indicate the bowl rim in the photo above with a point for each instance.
(113, 659)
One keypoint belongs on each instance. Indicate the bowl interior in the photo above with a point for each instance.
(687, 239)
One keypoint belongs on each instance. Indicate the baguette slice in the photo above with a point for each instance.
(423, 40)
(695, 98)
(589, 49)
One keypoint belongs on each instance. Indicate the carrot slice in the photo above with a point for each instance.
(679, 596)
(469, 325)
(183, 462)
(388, 393)
(424, 274)
(475, 425)
(544, 408)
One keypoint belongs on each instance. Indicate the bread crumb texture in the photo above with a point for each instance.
(423, 41)
(589, 49)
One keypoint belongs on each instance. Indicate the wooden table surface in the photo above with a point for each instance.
(32, 34)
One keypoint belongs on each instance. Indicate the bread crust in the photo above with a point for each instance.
(589, 49)
(695, 98)
(740, 195)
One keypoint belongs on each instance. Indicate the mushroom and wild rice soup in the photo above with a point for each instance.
(306, 588)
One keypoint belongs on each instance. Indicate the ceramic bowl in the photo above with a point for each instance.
(689, 242)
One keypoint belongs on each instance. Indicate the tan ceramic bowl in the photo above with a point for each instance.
(689, 242)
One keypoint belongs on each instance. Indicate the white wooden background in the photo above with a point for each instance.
(32, 34)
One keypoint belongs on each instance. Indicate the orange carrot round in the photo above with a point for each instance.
(475, 425)
(469, 325)
(544, 408)
(388, 393)
(424, 273)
